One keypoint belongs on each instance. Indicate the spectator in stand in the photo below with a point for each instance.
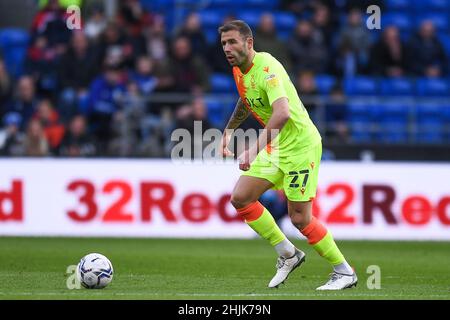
(190, 72)
(5, 87)
(298, 7)
(216, 55)
(76, 70)
(307, 49)
(157, 42)
(307, 89)
(35, 143)
(355, 39)
(192, 30)
(105, 96)
(41, 62)
(188, 115)
(96, 24)
(11, 137)
(132, 18)
(50, 22)
(426, 53)
(266, 40)
(115, 46)
(388, 56)
(77, 142)
(25, 100)
(336, 116)
(143, 75)
(49, 119)
(322, 21)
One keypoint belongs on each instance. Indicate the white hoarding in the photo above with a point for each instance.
(157, 198)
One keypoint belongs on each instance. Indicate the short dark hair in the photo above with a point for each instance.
(238, 25)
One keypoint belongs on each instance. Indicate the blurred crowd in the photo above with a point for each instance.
(89, 92)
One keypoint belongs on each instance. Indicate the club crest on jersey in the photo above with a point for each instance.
(272, 80)
(252, 82)
(266, 69)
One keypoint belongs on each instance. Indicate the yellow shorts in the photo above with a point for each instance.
(297, 175)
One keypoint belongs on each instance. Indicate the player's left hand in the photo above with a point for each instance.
(246, 158)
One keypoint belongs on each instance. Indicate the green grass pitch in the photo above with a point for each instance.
(177, 269)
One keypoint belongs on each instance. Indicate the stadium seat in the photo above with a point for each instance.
(259, 4)
(250, 16)
(394, 5)
(430, 131)
(284, 21)
(211, 35)
(433, 87)
(392, 111)
(211, 18)
(222, 83)
(440, 20)
(358, 111)
(445, 40)
(390, 131)
(430, 122)
(401, 20)
(325, 83)
(215, 111)
(396, 87)
(431, 5)
(13, 45)
(360, 85)
(360, 132)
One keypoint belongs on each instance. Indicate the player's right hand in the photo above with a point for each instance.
(224, 146)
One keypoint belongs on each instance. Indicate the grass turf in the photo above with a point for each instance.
(35, 268)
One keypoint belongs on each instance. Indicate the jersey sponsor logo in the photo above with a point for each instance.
(254, 102)
(272, 80)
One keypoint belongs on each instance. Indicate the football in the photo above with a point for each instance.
(95, 271)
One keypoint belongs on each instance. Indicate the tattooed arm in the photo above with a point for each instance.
(240, 113)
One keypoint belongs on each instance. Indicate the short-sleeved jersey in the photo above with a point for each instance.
(265, 81)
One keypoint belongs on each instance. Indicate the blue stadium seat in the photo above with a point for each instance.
(445, 40)
(284, 35)
(392, 111)
(284, 21)
(430, 131)
(396, 87)
(401, 20)
(359, 132)
(433, 87)
(215, 111)
(440, 20)
(430, 121)
(324, 83)
(13, 37)
(431, 5)
(391, 131)
(211, 18)
(359, 111)
(258, 4)
(157, 5)
(429, 111)
(211, 35)
(13, 45)
(222, 83)
(393, 5)
(250, 16)
(360, 85)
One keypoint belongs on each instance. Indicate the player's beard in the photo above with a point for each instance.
(241, 58)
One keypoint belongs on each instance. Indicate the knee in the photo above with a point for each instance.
(300, 219)
(240, 201)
